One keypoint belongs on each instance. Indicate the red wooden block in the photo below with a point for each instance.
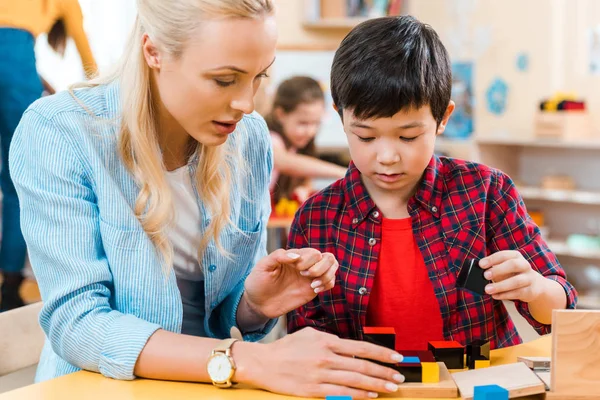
(442, 344)
(376, 330)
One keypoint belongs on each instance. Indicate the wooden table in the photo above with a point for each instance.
(92, 386)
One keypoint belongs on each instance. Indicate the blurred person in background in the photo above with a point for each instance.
(21, 22)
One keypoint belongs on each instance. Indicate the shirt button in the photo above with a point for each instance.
(355, 220)
(376, 214)
(362, 291)
(434, 209)
(212, 268)
(372, 242)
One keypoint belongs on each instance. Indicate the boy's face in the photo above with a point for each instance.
(392, 153)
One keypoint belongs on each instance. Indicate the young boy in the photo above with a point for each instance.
(403, 221)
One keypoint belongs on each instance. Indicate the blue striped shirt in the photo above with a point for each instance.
(101, 280)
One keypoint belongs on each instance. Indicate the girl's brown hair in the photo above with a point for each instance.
(290, 94)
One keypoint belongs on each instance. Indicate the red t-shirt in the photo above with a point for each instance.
(402, 296)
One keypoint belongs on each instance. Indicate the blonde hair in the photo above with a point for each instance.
(170, 24)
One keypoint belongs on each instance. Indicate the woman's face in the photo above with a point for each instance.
(206, 91)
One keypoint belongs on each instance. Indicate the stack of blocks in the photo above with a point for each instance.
(478, 354)
(490, 392)
(417, 366)
(449, 352)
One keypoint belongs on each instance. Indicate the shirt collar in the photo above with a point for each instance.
(360, 204)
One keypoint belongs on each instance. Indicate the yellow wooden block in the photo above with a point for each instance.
(482, 364)
(431, 372)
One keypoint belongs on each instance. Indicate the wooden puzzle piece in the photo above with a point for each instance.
(450, 353)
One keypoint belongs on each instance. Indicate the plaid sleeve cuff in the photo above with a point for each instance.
(540, 328)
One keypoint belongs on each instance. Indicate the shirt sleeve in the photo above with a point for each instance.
(60, 223)
(511, 228)
(226, 312)
(73, 19)
(313, 314)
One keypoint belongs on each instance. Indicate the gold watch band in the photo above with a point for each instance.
(224, 347)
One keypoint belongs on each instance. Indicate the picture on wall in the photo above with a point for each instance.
(460, 126)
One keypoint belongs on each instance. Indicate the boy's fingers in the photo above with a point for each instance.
(498, 258)
(510, 284)
(506, 269)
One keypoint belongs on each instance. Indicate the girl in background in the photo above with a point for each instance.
(20, 85)
(294, 121)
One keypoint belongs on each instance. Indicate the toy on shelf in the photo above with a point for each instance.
(471, 277)
(286, 208)
(563, 116)
(478, 354)
(449, 352)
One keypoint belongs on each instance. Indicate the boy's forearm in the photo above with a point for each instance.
(553, 297)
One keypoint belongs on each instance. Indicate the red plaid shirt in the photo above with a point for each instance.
(461, 210)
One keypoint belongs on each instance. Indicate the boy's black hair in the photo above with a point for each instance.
(387, 64)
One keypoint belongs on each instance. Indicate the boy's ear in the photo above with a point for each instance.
(335, 107)
(449, 110)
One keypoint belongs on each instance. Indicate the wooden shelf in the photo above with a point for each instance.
(561, 196)
(334, 23)
(560, 248)
(588, 302)
(503, 141)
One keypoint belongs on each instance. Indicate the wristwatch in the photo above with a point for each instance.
(220, 365)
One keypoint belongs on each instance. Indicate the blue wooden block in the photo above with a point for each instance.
(411, 360)
(490, 392)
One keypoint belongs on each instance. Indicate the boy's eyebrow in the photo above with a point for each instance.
(410, 125)
(414, 124)
(236, 69)
(356, 124)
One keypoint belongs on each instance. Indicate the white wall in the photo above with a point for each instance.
(107, 24)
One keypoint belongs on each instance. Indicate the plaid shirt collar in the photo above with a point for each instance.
(428, 195)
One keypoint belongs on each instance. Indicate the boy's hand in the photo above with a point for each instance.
(512, 277)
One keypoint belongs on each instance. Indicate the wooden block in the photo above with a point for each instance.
(471, 277)
(449, 352)
(431, 372)
(444, 389)
(481, 364)
(536, 363)
(381, 336)
(516, 378)
(575, 368)
(490, 392)
(477, 350)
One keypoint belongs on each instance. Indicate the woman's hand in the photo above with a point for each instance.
(310, 363)
(286, 280)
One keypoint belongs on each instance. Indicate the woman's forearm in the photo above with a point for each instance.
(176, 357)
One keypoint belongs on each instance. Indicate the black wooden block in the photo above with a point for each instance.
(449, 352)
(477, 350)
(471, 277)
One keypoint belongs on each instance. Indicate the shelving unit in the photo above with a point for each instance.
(566, 212)
(334, 23)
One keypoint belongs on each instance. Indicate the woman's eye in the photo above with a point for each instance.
(224, 83)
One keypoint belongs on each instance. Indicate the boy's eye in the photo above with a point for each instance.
(262, 75)
(407, 139)
(365, 139)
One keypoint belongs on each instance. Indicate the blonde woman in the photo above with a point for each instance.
(144, 202)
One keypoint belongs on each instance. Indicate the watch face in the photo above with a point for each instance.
(219, 368)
